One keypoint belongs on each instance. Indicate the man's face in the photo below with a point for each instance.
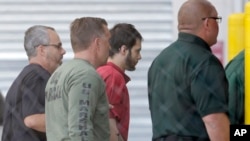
(133, 56)
(55, 51)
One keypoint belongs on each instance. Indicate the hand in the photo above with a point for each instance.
(111, 106)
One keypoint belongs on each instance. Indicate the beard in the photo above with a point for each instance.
(130, 63)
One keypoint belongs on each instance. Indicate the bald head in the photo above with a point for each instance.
(191, 13)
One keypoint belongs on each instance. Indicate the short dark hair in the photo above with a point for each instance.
(123, 34)
(83, 30)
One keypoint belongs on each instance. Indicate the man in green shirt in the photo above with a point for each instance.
(76, 103)
(235, 75)
(187, 85)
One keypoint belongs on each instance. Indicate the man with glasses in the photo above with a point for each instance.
(218, 19)
(24, 113)
(187, 86)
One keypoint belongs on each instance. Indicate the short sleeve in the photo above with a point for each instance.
(209, 88)
(33, 98)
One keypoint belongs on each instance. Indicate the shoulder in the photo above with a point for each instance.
(33, 74)
(106, 69)
(235, 72)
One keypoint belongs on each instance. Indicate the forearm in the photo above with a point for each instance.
(36, 122)
(217, 126)
(114, 132)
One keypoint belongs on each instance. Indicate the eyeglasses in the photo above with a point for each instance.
(58, 46)
(218, 19)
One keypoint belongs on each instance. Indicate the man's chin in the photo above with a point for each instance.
(60, 63)
(131, 69)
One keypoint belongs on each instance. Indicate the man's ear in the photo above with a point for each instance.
(206, 23)
(97, 42)
(97, 45)
(123, 49)
(41, 50)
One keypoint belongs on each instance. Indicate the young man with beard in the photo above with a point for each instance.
(124, 54)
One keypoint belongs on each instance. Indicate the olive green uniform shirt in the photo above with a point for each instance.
(76, 105)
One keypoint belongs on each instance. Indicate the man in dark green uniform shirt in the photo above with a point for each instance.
(187, 85)
(235, 76)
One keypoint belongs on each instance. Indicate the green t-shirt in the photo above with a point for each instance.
(235, 76)
(76, 105)
(185, 83)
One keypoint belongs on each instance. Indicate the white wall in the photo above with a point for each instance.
(224, 8)
(153, 18)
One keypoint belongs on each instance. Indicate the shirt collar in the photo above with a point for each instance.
(127, 79)
(194, 39)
